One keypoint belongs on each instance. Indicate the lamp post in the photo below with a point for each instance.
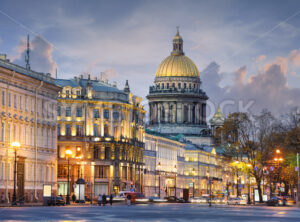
(278, 159)
(15, 145)
(209, 183)
(158, 169)
(175, 183)
(68, 155)
(249, 183)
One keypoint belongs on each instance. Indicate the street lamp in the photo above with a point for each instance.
(68, 155)
(249, 183)
(15, 145)
(175, 172)
(278, 160)
(209, 182)
(158, 169)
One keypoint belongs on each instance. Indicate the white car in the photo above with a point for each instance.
(237, 201)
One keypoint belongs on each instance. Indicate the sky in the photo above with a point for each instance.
(247, 52)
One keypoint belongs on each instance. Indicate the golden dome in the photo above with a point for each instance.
(177, 64)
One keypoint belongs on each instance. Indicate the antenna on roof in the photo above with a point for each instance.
(27, 54)
(56, 73)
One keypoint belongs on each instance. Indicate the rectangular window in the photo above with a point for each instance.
(78, 130)
(32, 105)
(8, 135)
(62, 171)
(26, 103)
(79, 112)
(68, 130)
(78, 93)
(9, 99)
(3, 98)
(21, 103)
(58, 129)
(2, 136)
(15, 101)
(115, 115)
(101, 171)
(68, 111)
(96, 113)
(96, 130)
(106, 114)
(58, 111)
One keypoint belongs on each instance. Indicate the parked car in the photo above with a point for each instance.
(56, 201)
(173, 199)
(157, 200)
(290, 201)
(236, 201)
(274, 201)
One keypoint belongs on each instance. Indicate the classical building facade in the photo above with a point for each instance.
(28, 116)
(177, 104)
(164, 165)
(103, 127)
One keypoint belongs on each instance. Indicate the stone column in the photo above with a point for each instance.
(158, 113)
(175, 112)
(189, 113)
(200, 113)
(204, 113)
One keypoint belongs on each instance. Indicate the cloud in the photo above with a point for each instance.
(281, 62)
(260, 58)
(265, 89)
(41, 59)
(294, 57)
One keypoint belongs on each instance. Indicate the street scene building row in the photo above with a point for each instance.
(86, 137)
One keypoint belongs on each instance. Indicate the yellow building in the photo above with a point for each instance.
(103, 127)
(27, 116)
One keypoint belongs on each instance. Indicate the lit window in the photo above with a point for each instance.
(96, 113)
(68, 111)
(106, 114)
(79, 112)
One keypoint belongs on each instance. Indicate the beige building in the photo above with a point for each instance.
(103, 127)
(28, 116)
(164, 166)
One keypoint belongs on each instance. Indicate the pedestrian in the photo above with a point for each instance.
(103, 199)
(111, 199)
(128, 199)
(73, 198)
(2, 198)
(99, 200)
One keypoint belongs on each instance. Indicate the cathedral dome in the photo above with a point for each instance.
(177, 64)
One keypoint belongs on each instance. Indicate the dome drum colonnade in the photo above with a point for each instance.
(176, 98)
